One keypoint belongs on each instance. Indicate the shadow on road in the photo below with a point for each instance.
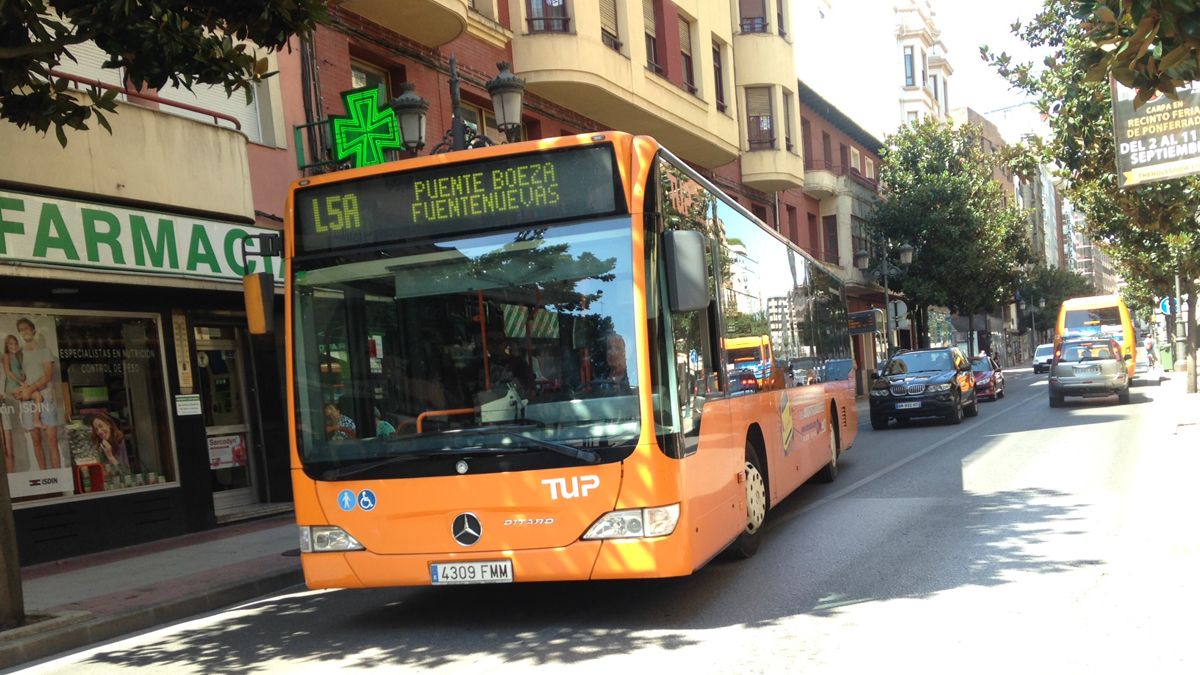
(899, 538)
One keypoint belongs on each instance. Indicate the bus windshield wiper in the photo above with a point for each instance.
(514, 431)
(508, 431)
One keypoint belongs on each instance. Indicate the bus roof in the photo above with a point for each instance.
(1093, 301)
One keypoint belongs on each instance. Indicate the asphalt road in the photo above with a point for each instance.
(1025, 540)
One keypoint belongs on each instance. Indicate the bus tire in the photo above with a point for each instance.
(747, 543)
(829, 472)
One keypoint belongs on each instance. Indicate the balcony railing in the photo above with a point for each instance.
(755, 24)
(762, 143)
(549, 24)
(133, 93)
(822, 165)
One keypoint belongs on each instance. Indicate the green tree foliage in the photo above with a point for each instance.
(217, 42)
(1149, 230)
(1052, 284)
(1148, 45)
(941, 198)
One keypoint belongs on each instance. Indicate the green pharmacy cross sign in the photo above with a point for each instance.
(367, 130)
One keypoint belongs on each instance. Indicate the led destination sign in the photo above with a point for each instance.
(494, 194)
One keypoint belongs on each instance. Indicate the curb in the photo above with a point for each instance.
(73, 630)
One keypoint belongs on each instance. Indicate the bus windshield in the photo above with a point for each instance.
(511, 348)
(1095, 321)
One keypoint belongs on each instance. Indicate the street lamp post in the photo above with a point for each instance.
(507, 92)
(862, 261)
(1033, 338)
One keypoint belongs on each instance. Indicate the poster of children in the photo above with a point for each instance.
(31, 409)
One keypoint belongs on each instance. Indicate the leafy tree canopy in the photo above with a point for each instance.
(217, 42)
(1148, 45)
(941, 198)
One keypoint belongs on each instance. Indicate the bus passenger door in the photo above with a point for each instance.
(713, 490)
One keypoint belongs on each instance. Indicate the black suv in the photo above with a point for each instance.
(924, 383)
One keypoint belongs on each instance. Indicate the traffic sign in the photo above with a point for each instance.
(1167, 305)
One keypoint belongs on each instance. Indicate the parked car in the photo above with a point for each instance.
(1042, 357)
(989, 377)
(1089, 367)
(924, 383)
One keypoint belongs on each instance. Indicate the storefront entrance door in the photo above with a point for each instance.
(221, 379)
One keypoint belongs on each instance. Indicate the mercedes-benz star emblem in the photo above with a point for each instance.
(466, 529)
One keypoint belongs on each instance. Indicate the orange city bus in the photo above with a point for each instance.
(508, 364)
(1099, 315)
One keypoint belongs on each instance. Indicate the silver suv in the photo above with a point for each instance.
(1088, 367)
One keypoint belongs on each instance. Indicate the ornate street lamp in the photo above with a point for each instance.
(507, 92)
(862, 261)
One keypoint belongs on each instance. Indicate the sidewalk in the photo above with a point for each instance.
(101, 596)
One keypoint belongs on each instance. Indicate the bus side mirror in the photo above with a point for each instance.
(687, 271)
(259, 292)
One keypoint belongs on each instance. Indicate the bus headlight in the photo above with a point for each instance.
(658, 521)
(326, 538)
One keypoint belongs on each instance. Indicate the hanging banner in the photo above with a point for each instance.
(1160, 140)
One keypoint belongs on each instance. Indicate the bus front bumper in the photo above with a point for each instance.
(580, 561)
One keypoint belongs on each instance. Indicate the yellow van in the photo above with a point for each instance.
(1098, 315)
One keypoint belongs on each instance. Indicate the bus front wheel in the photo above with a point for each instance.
(748, 541)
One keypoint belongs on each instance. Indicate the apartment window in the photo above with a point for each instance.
(814, 232)
(652, 60)
(909, 66)
(779, 18)
(924, 69)
(719, 77)
(793, 227)
(843, 156)
(913, 118)
(945, 95)
(754, 16)
(760, 128)
(870, 172)
(363, 75)
(484, 122)
(485, 7)
(609, 34)
(933, 85)
(830, 253)
(827, 150)
(859, 241)
(685, 51)
(806, 139)
(856, 159)
(787, 122)
(548, 16)
(759, 212)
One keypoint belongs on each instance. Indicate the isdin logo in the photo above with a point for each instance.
(576, 486)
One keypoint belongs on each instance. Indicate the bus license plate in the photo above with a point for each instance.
(908, 404)
(474, 572)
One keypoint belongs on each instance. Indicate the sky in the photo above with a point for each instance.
(850, 58)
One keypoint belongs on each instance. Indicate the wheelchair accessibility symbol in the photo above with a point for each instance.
(366, 500)
(346, 500)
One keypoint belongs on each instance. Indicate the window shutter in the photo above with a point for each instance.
(685, 37)
(213, 97)
(648, 15)
(89, 63)
(758, 101)
(608, 16)
(752, 9)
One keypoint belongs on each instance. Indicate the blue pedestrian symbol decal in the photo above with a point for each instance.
(366, 500)
(346, 500)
